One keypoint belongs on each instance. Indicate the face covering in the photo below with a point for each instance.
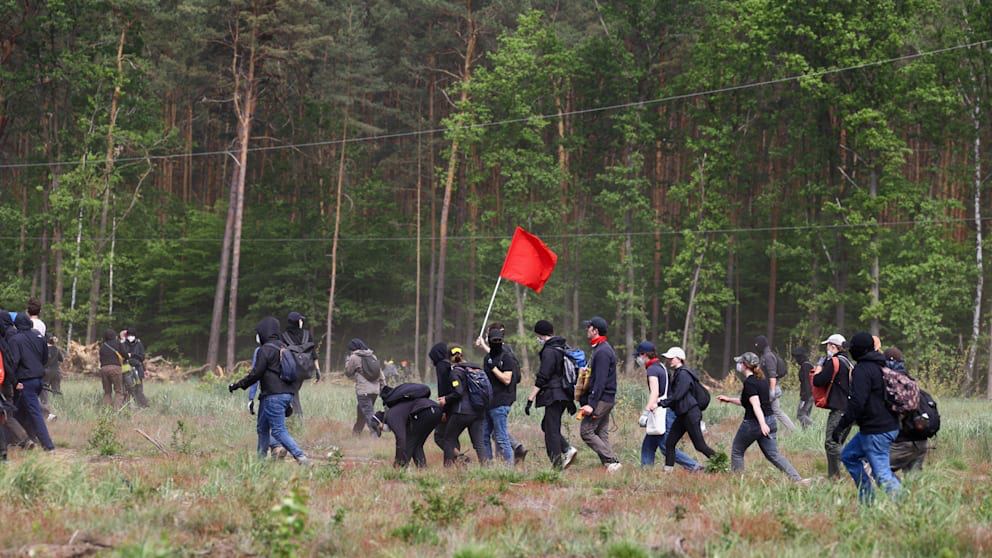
(258, 339)
(830, 353)
(130, 339)
(639, 360)
(740, 367)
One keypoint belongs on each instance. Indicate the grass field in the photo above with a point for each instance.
(209, 496)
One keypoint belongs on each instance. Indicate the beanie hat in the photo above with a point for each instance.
(861, 344)
(544, 327)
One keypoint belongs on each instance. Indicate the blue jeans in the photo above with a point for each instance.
(653, 443)
(873, 449)
(272, 422)
(497, 426)
(29, 412)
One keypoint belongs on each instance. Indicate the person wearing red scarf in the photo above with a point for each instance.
(598, 401)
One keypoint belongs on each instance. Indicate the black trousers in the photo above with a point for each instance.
(440, 434)
(418, 427)
(555, 444)
(688, 422)
(475, 424)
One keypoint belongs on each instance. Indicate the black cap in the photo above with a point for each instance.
(596, 322)
(646, 347)
(495, 334)
(544, 327)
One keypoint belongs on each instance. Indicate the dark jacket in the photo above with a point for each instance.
(457, 402)
(8, 361)
(603, 376)
(549, 375)
(398, 416)
(680, 398)
(805, 388)
(504, 395)
(866, 402)
(842, 384)
(29, 352)
(267, 368)
(136, 352)
(112, 353)
(442, 368)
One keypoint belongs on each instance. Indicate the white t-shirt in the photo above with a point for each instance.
(39, 325)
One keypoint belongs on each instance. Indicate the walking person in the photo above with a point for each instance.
(657, 378)
(910, 448)
(878, 426)
(688, 415)
(442, 372)
(759, 424)
(112, 359)
(801, 356)
(276, 397)
(833, 373)
(14, 433)
(775, 370)
(504, 375)
(52, 382)
(29, 354)
(598, 402)
(411, 416)
(503, 351)
(463, 414)
(34, 312)
(551, 392)
(363, 367)
(301, 339)
(136, 358)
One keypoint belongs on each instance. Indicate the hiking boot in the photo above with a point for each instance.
(279, 453)
(519, 454)
(569, 457)
(613, 467)
(304, 461)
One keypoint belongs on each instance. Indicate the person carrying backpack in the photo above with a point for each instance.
(775, 370)
(276, 398)
(759, 424)
(688, 414)
(551, 392)
(504, 375)
(658, 388)
(411, 416)
(112, 359)
(11, 432)
(598, 402)
(29, 354)
(910, 447)
(363, 367)
(878, 425)
(301, 340)
(466, 406)
(136, 358)
(834, 375)
(801, 356)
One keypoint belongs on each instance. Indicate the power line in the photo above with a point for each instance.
(483, 125)
(724, 231)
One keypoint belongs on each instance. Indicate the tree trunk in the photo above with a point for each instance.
(728, 313)
(416, 320)
(101, 242)
(220, 289)
(521, 327)
(772, 278)
(977, 313)
(629, 312)
(875, 268)
(449, 183)
(334, 243)
(244, 135)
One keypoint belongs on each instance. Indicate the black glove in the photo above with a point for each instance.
(837, 436)
(251, 406)
(232, 387)
(570, 407)
(530, 403)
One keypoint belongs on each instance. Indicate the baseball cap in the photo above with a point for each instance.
(748, 358)
(675, 352)
(835, 339)
(645, 347)
(596, 322)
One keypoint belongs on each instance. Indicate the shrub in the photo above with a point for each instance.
(104, 440)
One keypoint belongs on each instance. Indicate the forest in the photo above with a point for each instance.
(706, 171)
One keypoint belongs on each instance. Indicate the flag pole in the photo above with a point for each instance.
(490, 309)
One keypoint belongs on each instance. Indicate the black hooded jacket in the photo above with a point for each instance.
(8, 361)
(801, 356)
(866, 404)
(267, 368)
(549, 375)
(29, 352)
(442, 367)
(680, 397)
(112, 353)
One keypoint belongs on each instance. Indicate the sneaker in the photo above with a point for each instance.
(304, 461)
(668, 469)
(613, 467)
(804, 482)
(52, 417)
(569, 457)
(519, 454)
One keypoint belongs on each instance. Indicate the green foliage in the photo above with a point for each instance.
(182, 438)
(626, 549)
(280, 530)
(103, 439)
(719, 463)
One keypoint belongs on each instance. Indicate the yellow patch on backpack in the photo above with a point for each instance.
(454, 383)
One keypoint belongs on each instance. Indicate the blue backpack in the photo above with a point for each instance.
(288, 370)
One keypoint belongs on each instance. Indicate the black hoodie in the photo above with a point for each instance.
(8, 362)
(549, 375)
(267, 368)
(29, 352)
(801, 356)
(442, 367)
(866, 404)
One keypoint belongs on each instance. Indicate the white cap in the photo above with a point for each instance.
(835, 339)
(675, 352)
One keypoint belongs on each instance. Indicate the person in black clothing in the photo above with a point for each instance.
(878, 426)
(461, 414)
(276, 395)
(29, 355)
(910, 448)
(687, 413)
(598, 401)
(135, 350)
(442, 369)
(837, 380)
(112, 359)
(296, 334)
(801, 356)
(12, 432)
(504, 375)
(550, 392)
(412, 420)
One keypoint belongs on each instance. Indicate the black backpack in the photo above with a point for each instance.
(781, 368)
(287, 364)
(924, 422)
(477, 386)
(699, 391)
(406, 392)
(302, 354)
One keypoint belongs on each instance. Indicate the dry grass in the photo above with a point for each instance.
(215, 498)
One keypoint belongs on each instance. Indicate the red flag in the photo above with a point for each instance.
(528, 261)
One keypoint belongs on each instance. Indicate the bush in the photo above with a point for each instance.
(282, 527)
(103, 440)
